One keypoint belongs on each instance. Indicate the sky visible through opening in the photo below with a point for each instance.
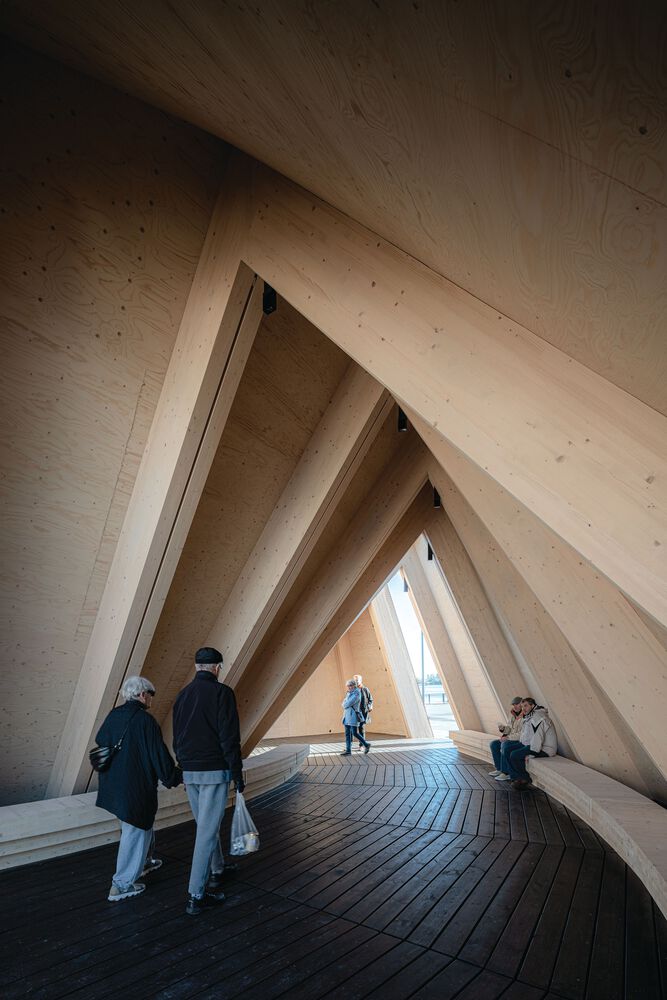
(410, 628)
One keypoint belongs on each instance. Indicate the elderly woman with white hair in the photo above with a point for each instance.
(128, 789)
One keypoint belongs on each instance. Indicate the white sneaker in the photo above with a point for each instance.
(503, 777)
(116, 894)
(494, 774)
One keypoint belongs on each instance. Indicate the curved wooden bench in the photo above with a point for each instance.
(636, 827)
(32, 831)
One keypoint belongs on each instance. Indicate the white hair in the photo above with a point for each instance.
(134, 686)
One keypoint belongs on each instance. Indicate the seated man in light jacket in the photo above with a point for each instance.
(509, 740)
(538, 739)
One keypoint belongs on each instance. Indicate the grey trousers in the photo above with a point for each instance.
(132, 851)
(208, 804)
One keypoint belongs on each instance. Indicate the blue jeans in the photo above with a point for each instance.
(516, 762)
(208, 804)
(132, 851)
(352, 732)
(499, 751)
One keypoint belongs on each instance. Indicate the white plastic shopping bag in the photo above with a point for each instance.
(245, 838)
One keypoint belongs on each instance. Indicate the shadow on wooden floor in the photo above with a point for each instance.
(405, 873)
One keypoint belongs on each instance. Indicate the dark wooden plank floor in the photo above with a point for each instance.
(404, 873)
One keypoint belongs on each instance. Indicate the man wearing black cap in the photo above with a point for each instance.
(207, 745)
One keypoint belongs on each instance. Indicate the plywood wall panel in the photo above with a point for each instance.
(104, 208)
(520, 153)
(368, 657)
(291, 375)
(316, 709)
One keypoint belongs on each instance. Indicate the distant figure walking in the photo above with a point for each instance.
(538, 739)
(365, 707)
(509, 740)
(207, 743)
(128, 789)
(352, 717)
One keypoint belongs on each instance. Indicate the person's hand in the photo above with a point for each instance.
(239, 784)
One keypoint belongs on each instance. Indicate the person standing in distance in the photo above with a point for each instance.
(365, 707)
(207, 745)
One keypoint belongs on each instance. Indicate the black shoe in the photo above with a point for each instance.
(345, 753)
(367, 748)
(521, 786)
(216, 879)
(196, 906)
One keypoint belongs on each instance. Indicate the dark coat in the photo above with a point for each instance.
(129, 788)
(206, 727)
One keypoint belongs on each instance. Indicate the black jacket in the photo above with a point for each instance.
(206, 727)
(129, 788)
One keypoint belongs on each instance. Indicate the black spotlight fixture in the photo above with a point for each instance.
(402, 420)
(405, 586)
(429, 553)
(269, 300)
(436, 499)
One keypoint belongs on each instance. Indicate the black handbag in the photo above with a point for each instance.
(101, 757)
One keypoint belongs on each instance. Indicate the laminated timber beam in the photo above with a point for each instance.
(361, 652)
(490, 708)
(336, 450)
(395, 652)
(452, 559)
(217, 331)
(617, 646)
(594, 733)
(377, 537)
(454, 681)
(583, 455)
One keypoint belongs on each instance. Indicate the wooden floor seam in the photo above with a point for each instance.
(406, 874)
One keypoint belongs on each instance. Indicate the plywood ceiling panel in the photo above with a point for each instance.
(520, 152)
(291, 375)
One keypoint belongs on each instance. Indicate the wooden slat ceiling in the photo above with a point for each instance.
(518, 149)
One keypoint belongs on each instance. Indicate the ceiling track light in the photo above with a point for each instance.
(269, 300)
(402, 420)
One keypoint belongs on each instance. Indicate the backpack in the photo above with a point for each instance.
(366, 703)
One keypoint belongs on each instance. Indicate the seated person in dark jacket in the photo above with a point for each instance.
(207, 744)
(129, 788)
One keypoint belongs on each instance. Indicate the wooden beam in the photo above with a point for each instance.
(335, 452)
(368, 658)
(365, 557)
(395, 651)
(451, 644)
(583, 455)
(214, 339)
(618, 648)
(596, 736)
(442, 651)
(450, 555)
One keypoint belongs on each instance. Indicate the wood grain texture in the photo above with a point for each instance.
(522, 154)
(593, 729)
(583, 455)
(316, 708)
(216, 333)
(292, 374)
(337, 448)
(617, 646)
(341, 584)
(104, 208)
(473, 604)
(389, 634)
(473, 667)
